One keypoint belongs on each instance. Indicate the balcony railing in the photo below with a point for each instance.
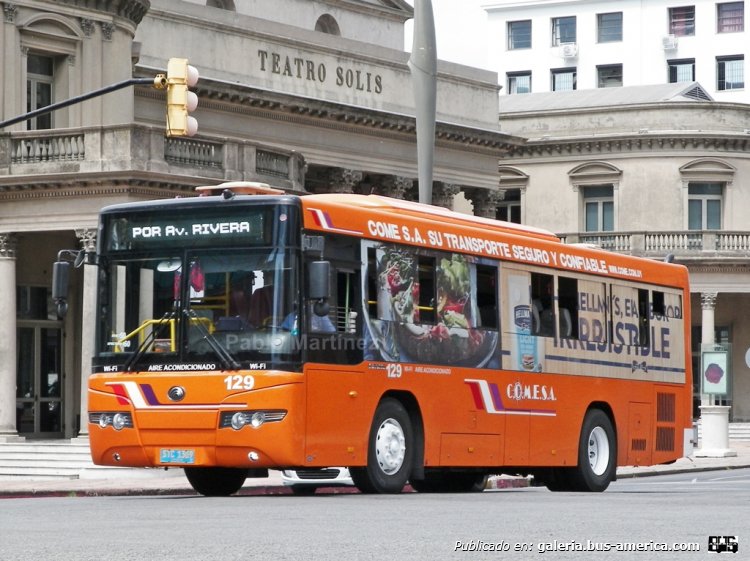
(48, 148)
(135, 148)
(686, 243)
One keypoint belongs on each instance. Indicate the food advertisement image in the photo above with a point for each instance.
(440, 328)
(524, 351)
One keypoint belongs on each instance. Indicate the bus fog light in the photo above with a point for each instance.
(253, 456)
(119, 421)
(239, 420)
(257, 419)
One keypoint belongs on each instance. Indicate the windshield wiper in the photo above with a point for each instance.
(227, 360)
(140, 351)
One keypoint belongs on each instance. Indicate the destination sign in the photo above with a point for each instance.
(150, 230)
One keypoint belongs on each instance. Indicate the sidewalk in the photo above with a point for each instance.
(173, 482)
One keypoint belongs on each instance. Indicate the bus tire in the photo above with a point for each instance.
(390, 451)
(216, 481)
(597, 454)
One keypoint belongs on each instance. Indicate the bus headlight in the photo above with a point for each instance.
(255, 418)
(239, 420)
(118, 420)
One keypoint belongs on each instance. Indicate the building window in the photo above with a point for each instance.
(327, 24)
(563, 30)
(609, 27)
(730, 17)
(704, 206)
(599, 208)
(681, 70)
(609, 76)
(519, 34)
(39, 78)
(730, 72)
(682, 21)
(509, 209)
(563, 79)
(519, 82)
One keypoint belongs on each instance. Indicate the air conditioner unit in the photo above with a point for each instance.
(669, 42)
(569, 50)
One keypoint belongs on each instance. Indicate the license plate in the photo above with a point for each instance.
(176, 456)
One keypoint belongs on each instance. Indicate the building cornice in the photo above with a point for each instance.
(141, 184)
(239, 99)
(653, 143)
(133, 10)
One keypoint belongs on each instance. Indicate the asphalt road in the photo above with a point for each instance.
(670, 511)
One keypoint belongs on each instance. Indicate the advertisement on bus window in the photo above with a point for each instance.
(430, 307)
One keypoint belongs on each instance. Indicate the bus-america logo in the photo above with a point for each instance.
(142, 396)
(487, 397)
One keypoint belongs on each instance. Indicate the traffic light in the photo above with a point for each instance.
(180, 100)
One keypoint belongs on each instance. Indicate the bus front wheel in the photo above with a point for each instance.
(390, 451)
(216, 481)
(597, 454)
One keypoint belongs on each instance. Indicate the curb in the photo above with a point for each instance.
(652, 472)
(496, 482)
(260, 490)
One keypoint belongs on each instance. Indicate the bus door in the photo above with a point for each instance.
(332, 347)
(521, 356)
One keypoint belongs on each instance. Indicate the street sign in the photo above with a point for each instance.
(715, 373)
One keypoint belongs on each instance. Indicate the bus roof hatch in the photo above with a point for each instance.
(239, 188)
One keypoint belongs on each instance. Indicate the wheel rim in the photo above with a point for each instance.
(390, 446)
(598, 451)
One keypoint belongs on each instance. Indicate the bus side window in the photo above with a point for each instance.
(486, 296)
(372, 283)
(345, 311)
(644, 330)
(658, 304)
(542, 303)
(426, 289)
(567, 303)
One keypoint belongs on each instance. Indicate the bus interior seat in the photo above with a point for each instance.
(566, 323)
(536, 315)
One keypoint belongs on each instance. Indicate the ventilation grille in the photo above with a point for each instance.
(638, 444)
(665, 407)
(697, 93)
(664, 439)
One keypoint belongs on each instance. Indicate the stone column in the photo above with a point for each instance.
(443, 193)
(485, 201)
(714, 418)
(8, 362)
(87, 238)
(708, 325)
(297, 170)
(394, 186)
(343, 180)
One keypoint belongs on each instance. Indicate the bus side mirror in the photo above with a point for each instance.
(319, 286)
(60, 279)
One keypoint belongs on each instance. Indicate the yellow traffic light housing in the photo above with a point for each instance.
(180, 100)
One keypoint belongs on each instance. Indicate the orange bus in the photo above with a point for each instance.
(240, 332)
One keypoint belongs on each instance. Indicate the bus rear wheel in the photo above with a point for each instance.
(390, 451)
(597, 454)
(216, 481)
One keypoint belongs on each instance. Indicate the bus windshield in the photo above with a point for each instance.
(210, 302)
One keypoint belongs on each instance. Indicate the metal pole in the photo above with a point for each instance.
(80, 98)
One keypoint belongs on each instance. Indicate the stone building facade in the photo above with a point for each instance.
(308, 95)
(648, 171)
